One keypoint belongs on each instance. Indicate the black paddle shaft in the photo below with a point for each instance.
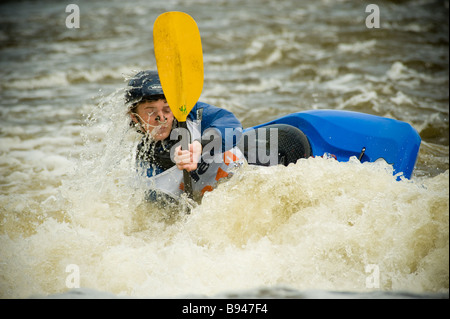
(185, 139)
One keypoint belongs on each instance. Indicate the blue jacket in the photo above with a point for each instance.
(149, 152)
(219, 119)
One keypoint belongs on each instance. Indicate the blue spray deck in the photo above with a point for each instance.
(368, 137)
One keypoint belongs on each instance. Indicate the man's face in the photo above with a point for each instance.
(155, 117)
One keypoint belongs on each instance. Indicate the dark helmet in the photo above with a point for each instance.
(143, 85)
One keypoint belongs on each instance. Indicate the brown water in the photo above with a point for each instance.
(67, 189)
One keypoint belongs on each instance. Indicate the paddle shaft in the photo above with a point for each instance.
(185, 139)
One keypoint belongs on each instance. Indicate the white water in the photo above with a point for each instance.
(68, 194)
(314, 225)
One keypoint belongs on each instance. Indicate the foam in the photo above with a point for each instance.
(312, 225)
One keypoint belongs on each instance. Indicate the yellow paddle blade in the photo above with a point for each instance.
(179, 59)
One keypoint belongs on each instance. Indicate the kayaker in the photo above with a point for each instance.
(159, 157)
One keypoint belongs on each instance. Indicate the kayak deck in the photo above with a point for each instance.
(344, 134)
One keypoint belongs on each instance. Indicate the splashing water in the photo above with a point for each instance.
(314, 225)
(68, 192)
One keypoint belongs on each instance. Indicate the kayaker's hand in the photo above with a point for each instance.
(188, 160)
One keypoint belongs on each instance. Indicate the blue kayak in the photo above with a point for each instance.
(343, 134)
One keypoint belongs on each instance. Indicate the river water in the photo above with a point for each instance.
(71, 215)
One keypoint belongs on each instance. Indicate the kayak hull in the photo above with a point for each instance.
(343, 134)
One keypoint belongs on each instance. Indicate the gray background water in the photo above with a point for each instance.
(263, 58)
